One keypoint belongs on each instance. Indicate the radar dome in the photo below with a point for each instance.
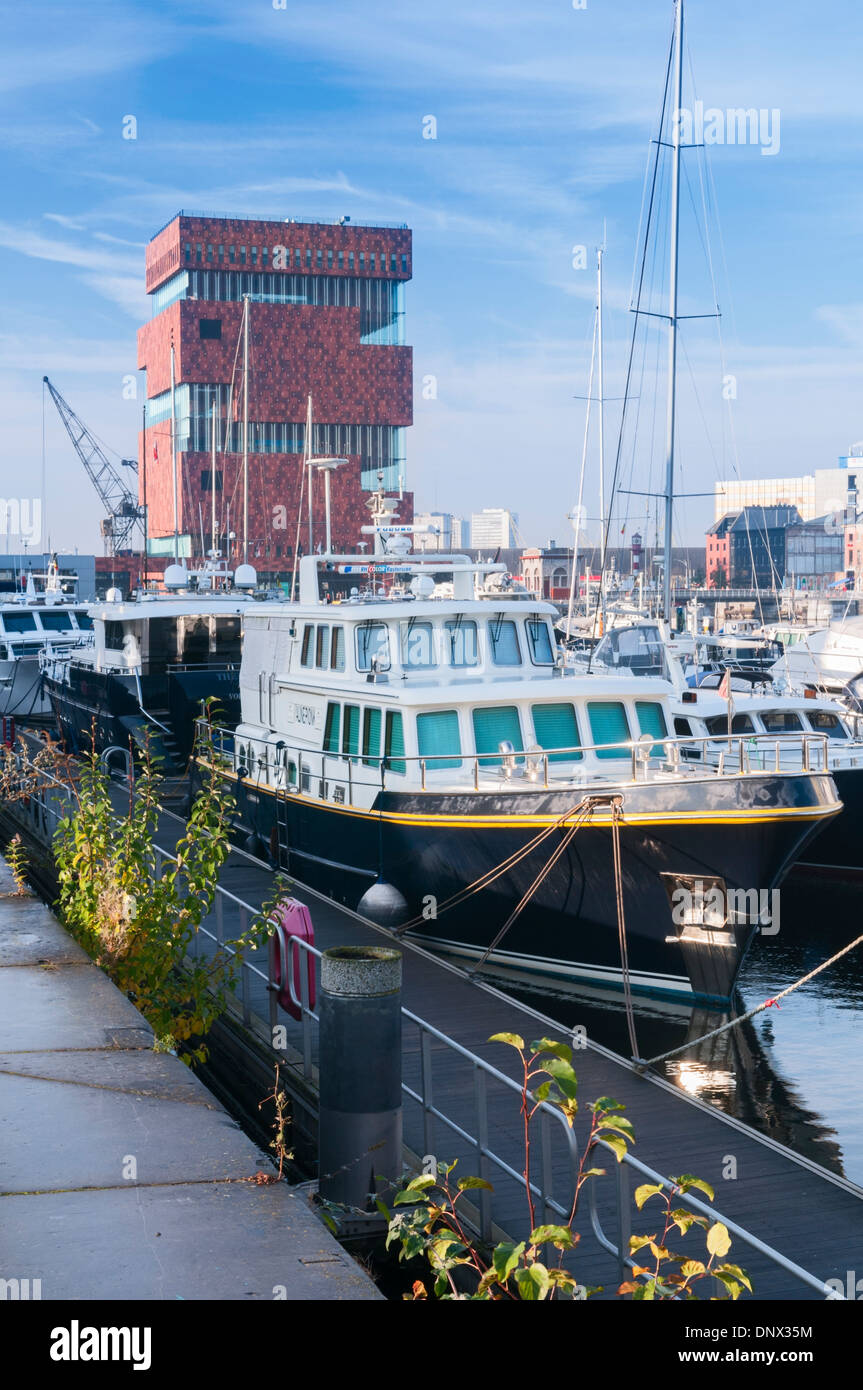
(245, 577)
(176, 577)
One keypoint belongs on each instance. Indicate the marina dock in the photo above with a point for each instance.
(121, 1176)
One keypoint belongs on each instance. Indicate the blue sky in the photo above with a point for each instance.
(544, 113)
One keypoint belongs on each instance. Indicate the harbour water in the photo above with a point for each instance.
(792, 1071)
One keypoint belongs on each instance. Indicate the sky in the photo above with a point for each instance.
(543, 117)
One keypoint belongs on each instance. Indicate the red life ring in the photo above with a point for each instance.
(292, 919)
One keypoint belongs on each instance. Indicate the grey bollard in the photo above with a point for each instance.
(360, 1127)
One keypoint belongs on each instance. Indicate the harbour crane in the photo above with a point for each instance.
(124, 514)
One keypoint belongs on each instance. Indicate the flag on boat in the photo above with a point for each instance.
(725, 685)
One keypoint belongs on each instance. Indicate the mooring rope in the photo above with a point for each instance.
(771, 1003)
(616, 816)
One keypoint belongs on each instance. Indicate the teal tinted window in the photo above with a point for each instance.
(491, 727)
(331, 729)
(462, 643)
(351, 731)
(371, 737)
(539, 642)
(394, 741)
(608, 725)
(555, 726)
(56, 622)
(438, 739)
(505, 650)
(651, 720)
(85, 622)
(19, 622)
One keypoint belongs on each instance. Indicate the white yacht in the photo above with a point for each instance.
(424, 743)
(38, 622)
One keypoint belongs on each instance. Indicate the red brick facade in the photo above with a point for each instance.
(294, 350)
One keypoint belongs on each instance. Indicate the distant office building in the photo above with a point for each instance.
(815, 552)
(813, 495)
(493, 527)
(439, 535)
(326, 319)
(757, 538)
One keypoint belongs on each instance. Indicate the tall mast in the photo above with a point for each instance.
(245, 429)
(174, 459)
(602, 522)
(213, 484)
(307, 450)
(672, 306)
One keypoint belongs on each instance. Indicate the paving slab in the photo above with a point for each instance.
(230, 1241)
(67, 1006)
(31, 935)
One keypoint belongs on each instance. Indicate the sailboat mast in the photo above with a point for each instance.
(602, 518)
(174, 458)
(213, 484)
(672, 306)
(308, 465)
(245, 429)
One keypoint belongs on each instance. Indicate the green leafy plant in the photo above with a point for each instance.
(138, 917)
(16, 856)
(432, 1223)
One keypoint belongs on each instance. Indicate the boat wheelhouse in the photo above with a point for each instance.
(428, 744)
(33, 625)
(152, 662)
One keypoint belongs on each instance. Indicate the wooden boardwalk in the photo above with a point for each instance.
(811, 1217)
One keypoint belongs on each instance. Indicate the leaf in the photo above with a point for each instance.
(561, 1236)
(465, 1183)
(622, 1126)
(736, 1272)
(421, 1182)
(549, 1045)
(505, 1257)
(690, 1268)
(718, 1240)
(513, 1039)
(617, 1144)
(606, 1103)
(533, 1282)
(687, 1181)
(646, 1191)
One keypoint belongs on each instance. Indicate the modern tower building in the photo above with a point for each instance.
(325, 305)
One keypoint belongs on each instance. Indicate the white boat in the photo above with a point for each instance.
(40, 622)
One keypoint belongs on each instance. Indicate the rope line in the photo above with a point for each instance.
(617, 815)
(759, 1008)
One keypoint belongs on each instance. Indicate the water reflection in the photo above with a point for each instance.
(791, 1072)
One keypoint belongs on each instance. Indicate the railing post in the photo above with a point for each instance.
(360, 1126)
(481, 1148)
(624, 1216)
(426, 1090)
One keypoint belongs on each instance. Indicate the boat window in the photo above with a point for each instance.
(373, 644)
(322, 646)
(555, 726)
(823, 722)
(780, 721)
(226, 641)
(85, 622)
(463, 643)
(417, 640)
(114, 636)
(371, 736)
(539, 642)
(505, 650)
(351, 731)
(491, 727)
(682, 726)
(394, 741)
(608, 724)
(306, 654)
(331, 728)
(438, 739)
(740, 724)
(651, 720)
(56, 622)
(337, 653)
(19, 622)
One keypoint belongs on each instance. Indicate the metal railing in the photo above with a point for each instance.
(294, 767)
(39, 811)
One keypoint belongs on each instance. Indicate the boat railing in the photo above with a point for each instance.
(296, 767)
(555, 1169)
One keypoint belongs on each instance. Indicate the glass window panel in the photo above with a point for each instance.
(394, 742)
(322, 646)
(462, 643)
(438, 739)
(608, 724)
(337, 654)
(491, 727)
(505, 650)
(555, 726)
(331, 728)
(539, 642)
(371, 736)
(306, 654)
(417, 645)
(373, 644)
(351, 731)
